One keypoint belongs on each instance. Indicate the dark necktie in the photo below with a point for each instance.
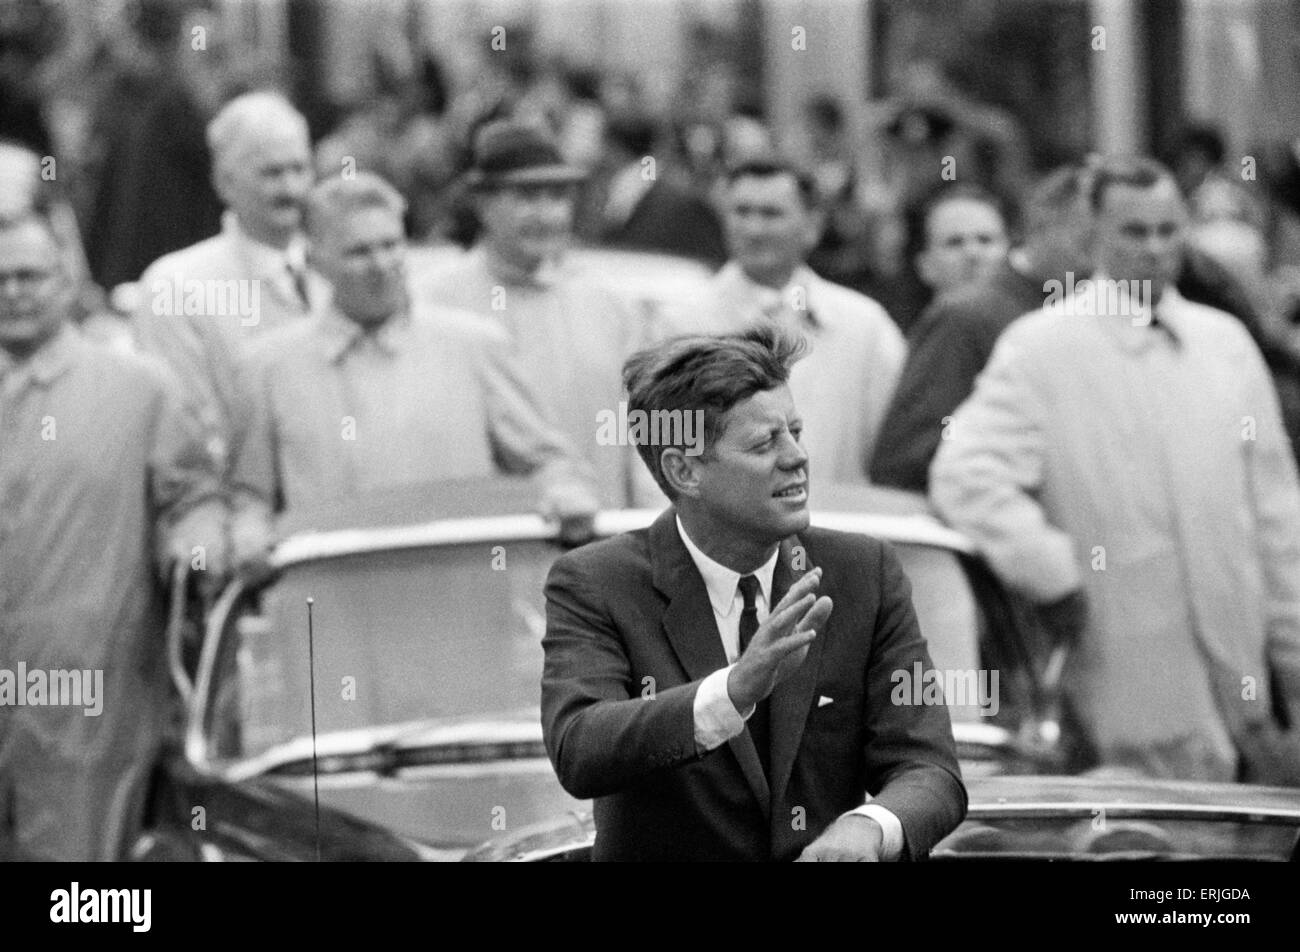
(758, 721)
(299, 278)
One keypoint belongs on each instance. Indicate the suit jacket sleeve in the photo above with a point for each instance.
(603, 732)
(523, 440)
(203, 353)
(184, 483)
(256, 486)
(910, 756)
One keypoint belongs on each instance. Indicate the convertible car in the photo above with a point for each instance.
(378, 698)
(1079, 819)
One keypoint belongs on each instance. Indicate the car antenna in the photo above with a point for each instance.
(311, 673)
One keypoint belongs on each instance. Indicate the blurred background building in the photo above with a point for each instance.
(872, 94)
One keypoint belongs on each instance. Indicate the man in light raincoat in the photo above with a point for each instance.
(104, 479)
(1124, 450)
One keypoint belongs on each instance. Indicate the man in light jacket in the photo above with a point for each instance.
(1124, 450)
(844, 386)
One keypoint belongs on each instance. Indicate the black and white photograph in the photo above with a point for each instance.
(657, 431)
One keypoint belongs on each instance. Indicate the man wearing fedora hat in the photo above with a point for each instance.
(569, 331)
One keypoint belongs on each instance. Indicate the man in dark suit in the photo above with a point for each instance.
(708, 725)
(951, 342)
(642, 210)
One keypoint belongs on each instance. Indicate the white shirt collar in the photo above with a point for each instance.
(342, 337)
(268, 260)
(49, 361)
(546, 276)
(723, 583)
(791, 300)
(1164, 314)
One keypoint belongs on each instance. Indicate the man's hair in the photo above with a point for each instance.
(772, 167)
(33, 216)
(1058, 194)
(245, 116)
(338, 196)
(1135, 171)
(634, 133)
(708, 373)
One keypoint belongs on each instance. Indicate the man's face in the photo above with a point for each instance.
(528, 224)
(1139, 233)
(965, 240)
(265, 181)
(753, 481)
(363, 255)
(34, 289)
(769, 228)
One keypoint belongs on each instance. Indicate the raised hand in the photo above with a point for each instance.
(781, 643)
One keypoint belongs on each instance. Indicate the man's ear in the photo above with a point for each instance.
(681, 472)
(221, 180)
(1092, 242)
(1092, 237)
(924, 268)
(312, 255)
(814, 228)
(66, 290)
(480, 199)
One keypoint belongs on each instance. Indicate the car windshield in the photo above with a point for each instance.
(427, 659)
(449, 633)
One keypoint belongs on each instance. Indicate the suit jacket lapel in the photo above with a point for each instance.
(690, 628)
(793, 697)
(688, 610)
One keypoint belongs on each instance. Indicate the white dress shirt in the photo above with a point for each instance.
(716, 717)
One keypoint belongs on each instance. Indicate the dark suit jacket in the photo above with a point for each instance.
(953, 340)
(671, 220)
(947, 348)
(630, 634)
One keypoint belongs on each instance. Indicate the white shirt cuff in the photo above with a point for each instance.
(716, 718)
(891, 844)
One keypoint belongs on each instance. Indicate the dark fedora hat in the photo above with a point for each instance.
(512, 153)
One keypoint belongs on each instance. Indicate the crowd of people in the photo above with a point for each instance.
(1120, 449)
